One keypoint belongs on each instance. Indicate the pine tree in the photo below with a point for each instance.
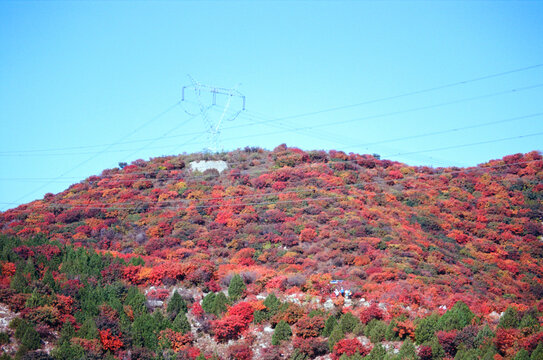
(336, 335)
(88, 329)
(67, 332)
(437, 349)
(31, 339)
(282, 332)
(236, 288)
(537, 354)
(176, 305)
(458, 317)
(208, 302)
(181, 323)
(407, 351)
(144, 332)
(348, 322)
(509, 319)
(329, 325)
(219, 305)
(377, 353)
(67, 351)
(272, 304)
(522, 354)
(426, 328)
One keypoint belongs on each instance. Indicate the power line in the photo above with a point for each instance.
(311, 113)
(410, 93)
(364, 118)
(146, 123)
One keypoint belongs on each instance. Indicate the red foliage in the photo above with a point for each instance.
(506, 339)
(371, 312)
(309, 326)
(425, 352)
(197, 310)
(349, 347)
(446, 339)
(109, 341)
(313, 346)
(240, 352)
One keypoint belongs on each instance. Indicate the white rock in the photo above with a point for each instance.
(204, 165)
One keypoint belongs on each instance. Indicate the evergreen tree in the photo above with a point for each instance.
(329, 325)
(272, 304)
(208, 303)
(522, 354)
(67, 351)
(161, 321)
(144, 332)
(456, 318)
(390, 333)
(88, 329)
(236, 288)
(377, 353)
(31, 339)
(348, 322)
(49, 280)
(509, 319)
(437, 350)
(181, 323)
(219, 305)
(483, 336)
(176, 305)
(466, 354)
(377, 332)
(537, 354)
(282, 332)
(35, 300)
(19, 282)
(136, 300)
(529, 322)
(426, 328)
(407, 351)
(336, 335)
(67, 332)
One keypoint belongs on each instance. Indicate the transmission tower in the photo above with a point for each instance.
(199, 99)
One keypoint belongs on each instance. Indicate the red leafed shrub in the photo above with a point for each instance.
(312, 347)
(158, 294)
(308, 327)
(307, 235)
(370, 313)
(349, 347)
(8, 269)
(446, 339)
(24, 251)
(197, 310)
(109, 341)
(405, 329)
(531, 342)
(240, 352)
(235, 322)
(425, 353)
(175, 340)
(228, 328)
(244, 311)
(506, 339)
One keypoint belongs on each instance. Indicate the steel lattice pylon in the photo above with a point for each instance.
(203, 107)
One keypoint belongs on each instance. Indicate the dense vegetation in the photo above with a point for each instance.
(153, 260)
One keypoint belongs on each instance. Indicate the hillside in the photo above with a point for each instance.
(406, 243)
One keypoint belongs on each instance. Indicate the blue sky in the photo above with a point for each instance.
(82, 82)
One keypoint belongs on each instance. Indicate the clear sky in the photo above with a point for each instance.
(82, 82)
